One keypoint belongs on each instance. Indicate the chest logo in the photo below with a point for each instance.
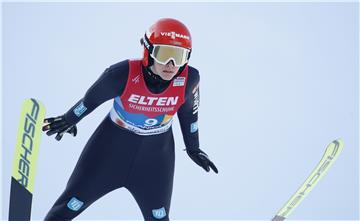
(149, 101)
(136, 79)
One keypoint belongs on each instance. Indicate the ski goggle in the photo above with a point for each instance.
(165, 53)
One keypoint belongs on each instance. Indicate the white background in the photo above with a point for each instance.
(279, 81)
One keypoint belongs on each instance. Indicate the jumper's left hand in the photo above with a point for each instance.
(58, 125)
(202, 159)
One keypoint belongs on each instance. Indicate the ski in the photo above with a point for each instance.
(331, 153)
(24, 163)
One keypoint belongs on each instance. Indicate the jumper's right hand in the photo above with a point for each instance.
(58, 125)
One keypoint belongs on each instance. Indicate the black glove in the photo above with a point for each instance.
(58, 125)
(202, 159)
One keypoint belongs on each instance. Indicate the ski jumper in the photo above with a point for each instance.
(133, 147)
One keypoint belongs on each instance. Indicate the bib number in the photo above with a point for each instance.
(151, 122)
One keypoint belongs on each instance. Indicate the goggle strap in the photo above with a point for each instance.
(147, 44)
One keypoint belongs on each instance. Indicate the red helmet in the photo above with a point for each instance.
(168, 32)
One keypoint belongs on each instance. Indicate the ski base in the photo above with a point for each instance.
(20, 202)
(278, 218)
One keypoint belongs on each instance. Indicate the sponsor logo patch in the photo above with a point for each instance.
(74, 204)
(179, 81)
(159, 213)
(80, 109)
(194, 127)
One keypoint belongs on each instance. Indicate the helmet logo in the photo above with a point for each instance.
(174, 35)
